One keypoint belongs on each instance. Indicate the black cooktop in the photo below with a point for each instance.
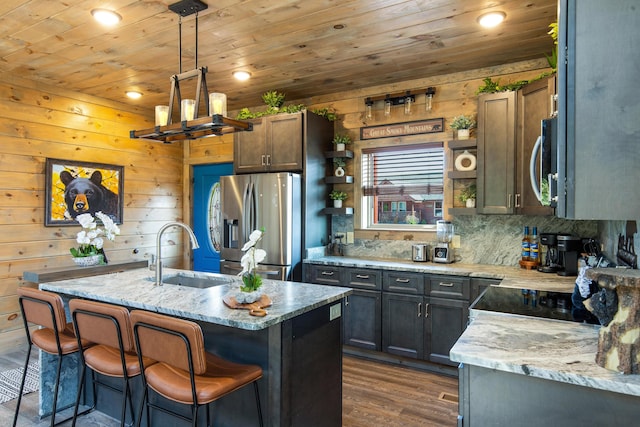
(527, 302)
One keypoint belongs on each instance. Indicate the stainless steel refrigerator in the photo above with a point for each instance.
(272, 201)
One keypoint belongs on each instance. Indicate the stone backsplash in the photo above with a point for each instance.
(484, 239)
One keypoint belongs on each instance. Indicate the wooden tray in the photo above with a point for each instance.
(529, 265)
(255, 308)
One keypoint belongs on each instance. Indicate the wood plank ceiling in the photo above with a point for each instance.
(302, 48)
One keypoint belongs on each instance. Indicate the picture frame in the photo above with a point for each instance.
(76, 187)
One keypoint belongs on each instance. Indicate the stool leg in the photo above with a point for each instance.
(257, 391)
(24, 377)
(55, 392)
(80, 388)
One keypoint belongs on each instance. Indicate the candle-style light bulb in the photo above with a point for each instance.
(428, 102)
(407, 104)
(387, 106)
(369, 109)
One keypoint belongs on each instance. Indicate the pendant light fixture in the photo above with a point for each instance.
(191, 126)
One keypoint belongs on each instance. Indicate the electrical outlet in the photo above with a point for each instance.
(456, 241)
(349, 237)
(335, 311)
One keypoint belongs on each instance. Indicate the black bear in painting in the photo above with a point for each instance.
(88, 195)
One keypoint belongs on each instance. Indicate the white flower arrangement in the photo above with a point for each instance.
(91, 236)
(249, 261)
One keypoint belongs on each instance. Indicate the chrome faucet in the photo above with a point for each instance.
(194, 245)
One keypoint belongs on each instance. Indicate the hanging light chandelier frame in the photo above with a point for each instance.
(199, 127)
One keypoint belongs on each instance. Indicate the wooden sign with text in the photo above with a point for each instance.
(402, 129)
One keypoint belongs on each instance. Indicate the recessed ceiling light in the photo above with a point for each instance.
(106, 17)
(491, 19)
(242, 75)
(133, 94)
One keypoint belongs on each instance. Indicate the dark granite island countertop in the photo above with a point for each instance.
(297, 344)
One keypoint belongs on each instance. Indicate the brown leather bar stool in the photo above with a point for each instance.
(107, 328)
(56, 336)
(185, 372)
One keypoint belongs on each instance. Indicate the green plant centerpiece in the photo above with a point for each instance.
(251, 280)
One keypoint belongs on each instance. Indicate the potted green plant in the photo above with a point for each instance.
(468, 196)
(341, 142)
(463, 124)
(273, 99)
(337, 197)
(340, 164)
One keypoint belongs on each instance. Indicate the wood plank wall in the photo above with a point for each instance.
(39, 122)
(455, 95)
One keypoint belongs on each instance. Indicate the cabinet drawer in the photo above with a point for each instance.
(364, 279)
(403, 282)
(325, 275)
(449, 287)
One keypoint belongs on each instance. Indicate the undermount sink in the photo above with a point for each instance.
(195, 282)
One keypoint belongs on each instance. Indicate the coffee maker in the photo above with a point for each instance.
(551, 260)
(568, 253)
(443, 251)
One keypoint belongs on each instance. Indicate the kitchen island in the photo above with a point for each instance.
(298, 343)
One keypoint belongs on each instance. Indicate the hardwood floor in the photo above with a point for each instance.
(374, 394)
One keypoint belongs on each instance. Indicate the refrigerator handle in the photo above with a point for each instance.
(253, 209)
(246, 214)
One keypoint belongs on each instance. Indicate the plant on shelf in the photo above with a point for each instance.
(338, 195)
(468, 196)
(463, 124)
(341, 141)
(340, 164)
(273, 99)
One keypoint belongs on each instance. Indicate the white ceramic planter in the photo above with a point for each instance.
(463, 133)
(337, 203)
(471, 203)
(340, 147)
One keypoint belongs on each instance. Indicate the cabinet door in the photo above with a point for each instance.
(250, 149)
(362, 319)
(534, 104)
(496, 153)
(403, 325)
(445, 320)
(284, 142)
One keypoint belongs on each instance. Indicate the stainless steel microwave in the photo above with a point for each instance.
(544, 174)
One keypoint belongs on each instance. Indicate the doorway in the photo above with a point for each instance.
(207, 215)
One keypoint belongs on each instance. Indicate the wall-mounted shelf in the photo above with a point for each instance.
(338, 211)
(344, 153)
(460, 145)
(347, 179)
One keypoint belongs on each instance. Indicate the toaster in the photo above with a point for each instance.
(419, 253)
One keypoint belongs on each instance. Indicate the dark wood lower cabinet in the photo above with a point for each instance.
(407, 314)
(362, 314)
(403, 325)
(445, 321)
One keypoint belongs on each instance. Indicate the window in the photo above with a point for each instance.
(402, 186)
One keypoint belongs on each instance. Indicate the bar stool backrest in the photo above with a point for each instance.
(167, 339)
(103, 330)
(35, 302)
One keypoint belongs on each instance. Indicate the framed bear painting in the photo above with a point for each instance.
(73, 188)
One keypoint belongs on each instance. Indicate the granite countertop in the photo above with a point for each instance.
(135, 288)
(514, 277)
(548, 349)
